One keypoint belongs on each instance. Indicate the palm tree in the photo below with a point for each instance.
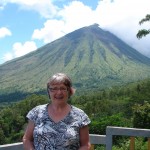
(143, 32)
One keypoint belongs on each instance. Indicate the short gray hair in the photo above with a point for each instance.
(61, 78)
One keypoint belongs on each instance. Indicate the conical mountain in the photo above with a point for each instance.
(91, 56)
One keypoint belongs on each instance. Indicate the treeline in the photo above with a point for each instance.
(17, 96)
(127, 106)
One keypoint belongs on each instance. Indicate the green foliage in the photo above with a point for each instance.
(143, 32)
(99, 125)
(140, 144)
(141, 115)
(2, 136)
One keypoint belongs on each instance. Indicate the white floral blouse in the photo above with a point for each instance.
(63, 135)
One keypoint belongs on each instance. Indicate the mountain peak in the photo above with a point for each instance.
(92, 57)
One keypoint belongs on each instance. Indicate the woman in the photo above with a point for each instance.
(57, 125)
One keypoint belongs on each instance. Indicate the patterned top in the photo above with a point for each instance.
(63, 135)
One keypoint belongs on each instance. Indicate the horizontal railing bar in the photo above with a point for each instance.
(14, 146)
(127, 131)
(97, 139)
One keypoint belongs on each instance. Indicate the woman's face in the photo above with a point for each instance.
(59, 93)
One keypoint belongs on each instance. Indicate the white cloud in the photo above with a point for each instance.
(2, 4)
(76, 15)
(20, 49)
(73, 16)
(52, 30)
(8, 56)
(4, 32)
(44, 7)
(122, 18)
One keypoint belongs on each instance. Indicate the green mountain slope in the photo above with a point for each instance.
(91, 56)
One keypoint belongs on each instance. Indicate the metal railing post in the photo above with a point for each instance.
(109, 139)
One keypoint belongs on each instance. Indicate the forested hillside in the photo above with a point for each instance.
(127, 106)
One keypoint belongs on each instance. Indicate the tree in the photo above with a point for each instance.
(2, 136)
(143, 32)
(141, 115)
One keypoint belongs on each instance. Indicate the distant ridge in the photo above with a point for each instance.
(94, 58)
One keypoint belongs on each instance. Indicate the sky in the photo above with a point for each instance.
(26, 25)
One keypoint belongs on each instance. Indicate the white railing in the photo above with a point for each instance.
(101, 139)
(14, 146)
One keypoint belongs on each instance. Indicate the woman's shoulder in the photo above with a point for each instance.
(76, 109)
(37, 111)
(39, 107)
(80, 115)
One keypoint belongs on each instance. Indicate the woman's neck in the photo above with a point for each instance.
(58, 112)
(59, 107)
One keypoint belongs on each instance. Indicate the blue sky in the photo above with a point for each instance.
(26, 25)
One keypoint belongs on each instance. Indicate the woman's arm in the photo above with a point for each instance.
(84, 138)
(28, 136)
